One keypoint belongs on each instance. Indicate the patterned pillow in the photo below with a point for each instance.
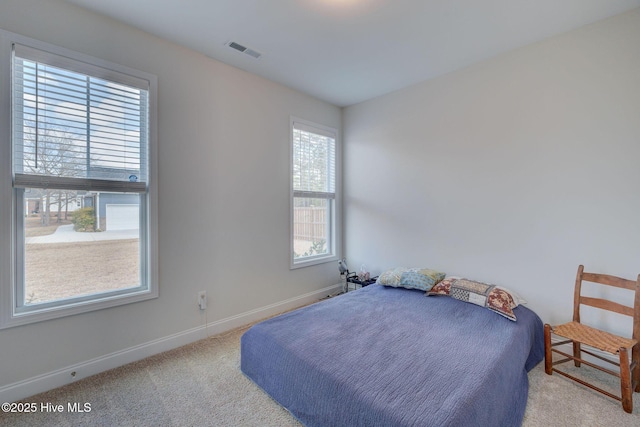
(411, 278)
(391, 277)
(420, 278)
(496, 299)
(442, 288)
(517, 299)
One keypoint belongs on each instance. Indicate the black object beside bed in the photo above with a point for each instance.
(382, 356)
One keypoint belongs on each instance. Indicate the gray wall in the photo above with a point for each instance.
(513, 171)
(223, 136)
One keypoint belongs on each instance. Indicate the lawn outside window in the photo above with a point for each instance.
(77, 191)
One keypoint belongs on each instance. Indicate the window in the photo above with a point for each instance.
(80, 195)
(314, 225)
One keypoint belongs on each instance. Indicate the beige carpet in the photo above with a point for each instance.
(201, 385)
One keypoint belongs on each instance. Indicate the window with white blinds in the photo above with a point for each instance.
(77, 161)
(313, 195)
(314, 162)
(77, 126)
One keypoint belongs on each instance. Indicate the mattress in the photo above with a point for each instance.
(384, 356)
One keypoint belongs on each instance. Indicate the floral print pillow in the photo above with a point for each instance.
(497, 299)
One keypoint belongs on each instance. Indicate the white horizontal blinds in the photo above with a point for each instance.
(314, 162)
(77, 126)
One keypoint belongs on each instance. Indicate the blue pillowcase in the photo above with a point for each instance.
(411, 278)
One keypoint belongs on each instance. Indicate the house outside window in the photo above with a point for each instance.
(80, 194)
(314, 193)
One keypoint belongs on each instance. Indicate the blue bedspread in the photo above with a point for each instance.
(395, 357)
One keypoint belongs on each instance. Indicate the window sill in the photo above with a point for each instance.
(34, 316)
(308, 262)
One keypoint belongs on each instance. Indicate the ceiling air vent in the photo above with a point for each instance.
(243, 49)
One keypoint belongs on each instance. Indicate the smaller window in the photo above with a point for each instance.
(313, 194)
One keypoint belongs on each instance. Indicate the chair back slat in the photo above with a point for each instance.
(605, 279)
(604, 304)
(607, 305)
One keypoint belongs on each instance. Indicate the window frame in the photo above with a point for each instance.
(12, 210)
(334, 245)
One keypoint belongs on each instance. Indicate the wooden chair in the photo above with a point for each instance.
(579, 334)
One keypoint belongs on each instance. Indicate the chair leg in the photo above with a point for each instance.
(548, 358)
(625, 381)
(577, 354)
(635, 375)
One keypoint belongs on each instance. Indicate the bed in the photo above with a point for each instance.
(383, 356)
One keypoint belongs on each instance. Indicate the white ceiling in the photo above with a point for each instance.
(348, 51)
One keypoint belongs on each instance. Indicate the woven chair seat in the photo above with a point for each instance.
(593, 337)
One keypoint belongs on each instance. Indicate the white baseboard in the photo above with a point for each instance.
(58, 378)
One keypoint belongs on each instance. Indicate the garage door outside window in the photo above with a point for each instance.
(123, 217)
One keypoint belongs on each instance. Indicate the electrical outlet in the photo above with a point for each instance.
(202, 300)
